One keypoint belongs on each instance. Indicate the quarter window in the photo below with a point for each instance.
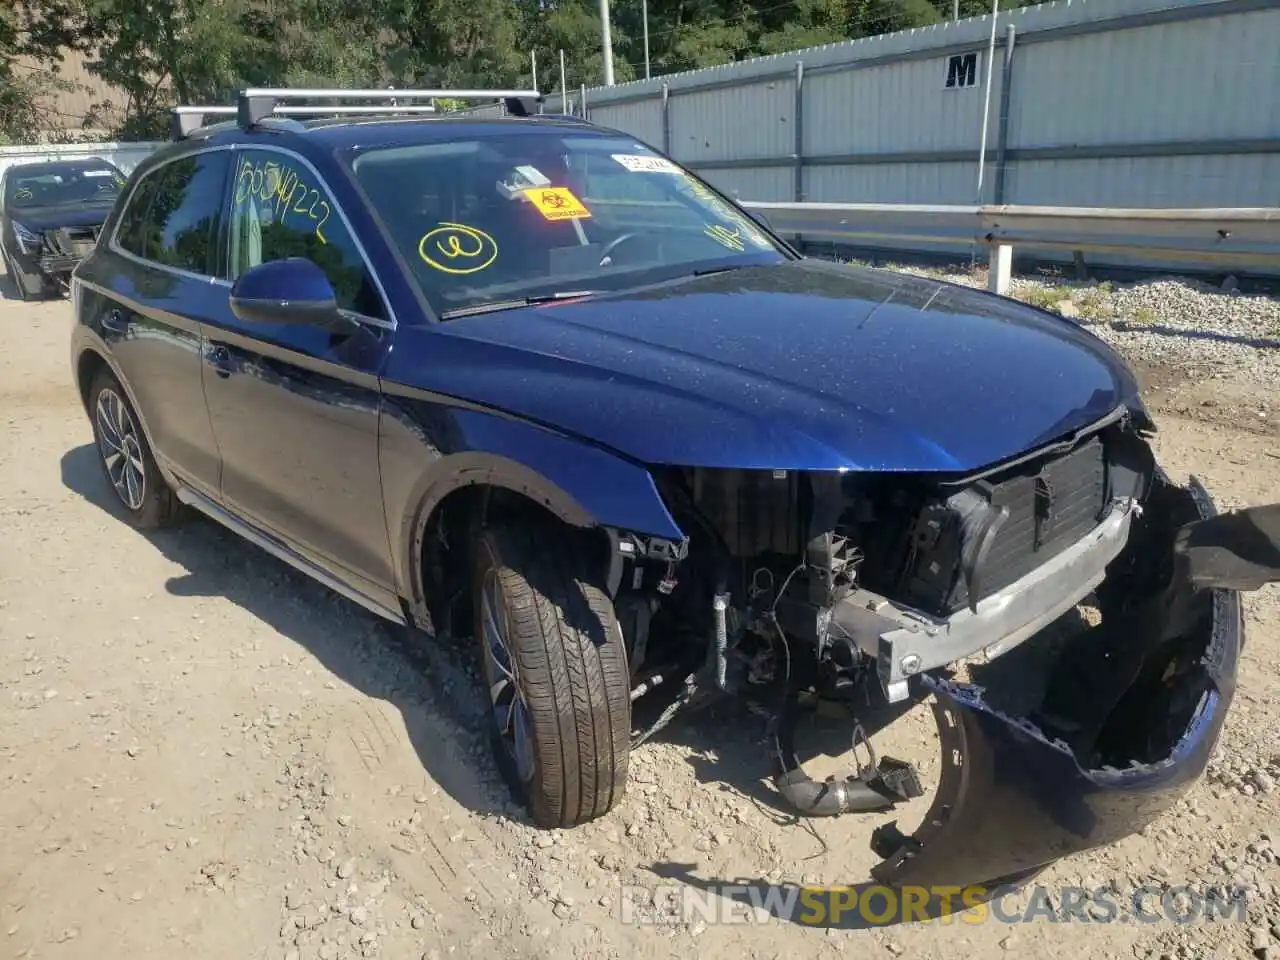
(279, 210)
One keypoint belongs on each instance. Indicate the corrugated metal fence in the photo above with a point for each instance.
(1097, 103)
(1133, 103)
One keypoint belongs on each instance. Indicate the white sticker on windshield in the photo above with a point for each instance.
(637, 163)
(97, 173)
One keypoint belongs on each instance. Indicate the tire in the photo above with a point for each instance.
(126, 459)
(561, 731)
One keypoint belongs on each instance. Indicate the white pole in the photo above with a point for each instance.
(533, 62)
(564, 90)
(606, 43)
(644, 10)
(986, 106)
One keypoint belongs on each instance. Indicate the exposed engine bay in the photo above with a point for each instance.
(793, 583)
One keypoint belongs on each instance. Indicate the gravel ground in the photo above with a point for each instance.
(203, 753)
(1167, 320)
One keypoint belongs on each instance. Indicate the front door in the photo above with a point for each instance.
(295, 409)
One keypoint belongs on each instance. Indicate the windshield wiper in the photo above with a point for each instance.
(494, 306)
(713, 270)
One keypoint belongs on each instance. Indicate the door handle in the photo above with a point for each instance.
(115, 322)
(219, 357)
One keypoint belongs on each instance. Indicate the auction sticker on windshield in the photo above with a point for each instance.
(640, 164)
(557, 203)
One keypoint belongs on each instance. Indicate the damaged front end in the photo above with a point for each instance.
(835, 583)
(1118, 723)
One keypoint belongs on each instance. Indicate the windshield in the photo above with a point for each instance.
(58, 184)
(541, 213)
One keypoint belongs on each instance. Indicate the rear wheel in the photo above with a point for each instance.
(556, 672)
(126, 458)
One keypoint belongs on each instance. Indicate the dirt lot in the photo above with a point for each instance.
(204, 754)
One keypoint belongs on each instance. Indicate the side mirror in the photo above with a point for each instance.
(288, 291)
(761, 219)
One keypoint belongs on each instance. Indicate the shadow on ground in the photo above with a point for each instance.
(431, 683)
(434, 684)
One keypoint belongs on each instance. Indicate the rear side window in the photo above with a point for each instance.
(132, 232)
(183, 220)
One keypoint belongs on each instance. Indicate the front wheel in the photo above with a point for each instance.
(126, 458)
(556, 672)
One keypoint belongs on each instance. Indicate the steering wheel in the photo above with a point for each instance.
(615, 243)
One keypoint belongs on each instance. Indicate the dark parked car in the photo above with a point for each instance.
(527, 378)
(50, 216)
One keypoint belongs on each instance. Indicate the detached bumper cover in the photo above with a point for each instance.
(1012, 799)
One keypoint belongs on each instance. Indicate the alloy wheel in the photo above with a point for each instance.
(510, 712)
(121, 449)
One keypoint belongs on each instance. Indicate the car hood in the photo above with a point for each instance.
(799, 365)
(49, 218)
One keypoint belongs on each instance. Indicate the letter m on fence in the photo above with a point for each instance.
(962, 71)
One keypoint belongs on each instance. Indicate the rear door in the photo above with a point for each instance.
(148, 297)
(295, 409)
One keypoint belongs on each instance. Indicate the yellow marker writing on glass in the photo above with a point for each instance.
(280, 186)
(457, 248)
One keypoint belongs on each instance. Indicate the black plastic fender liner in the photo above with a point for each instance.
(885, 785)
(1239, 550)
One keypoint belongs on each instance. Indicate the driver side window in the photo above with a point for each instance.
(280, 209)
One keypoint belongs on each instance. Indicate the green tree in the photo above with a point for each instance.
(161, 52)
(27, 77)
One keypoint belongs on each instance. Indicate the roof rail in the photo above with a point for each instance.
(258, 104)
(566, 118)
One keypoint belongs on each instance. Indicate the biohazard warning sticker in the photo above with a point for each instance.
(557, 203)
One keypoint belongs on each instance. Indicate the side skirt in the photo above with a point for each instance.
(282, 552)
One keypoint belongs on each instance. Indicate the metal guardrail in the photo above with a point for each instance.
(1228, 237)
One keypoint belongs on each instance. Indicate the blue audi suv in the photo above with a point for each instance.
(524, 379)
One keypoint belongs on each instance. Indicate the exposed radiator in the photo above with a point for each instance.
(1050, 506)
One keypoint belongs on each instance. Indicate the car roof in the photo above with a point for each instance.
(340, 135)
(334, 135)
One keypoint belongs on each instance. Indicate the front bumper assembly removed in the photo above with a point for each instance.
(1127, 720)
(1115, 724)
